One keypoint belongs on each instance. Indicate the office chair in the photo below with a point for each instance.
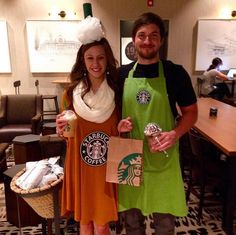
(186, 162)
(200, 81)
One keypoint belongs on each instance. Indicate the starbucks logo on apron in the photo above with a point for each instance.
(143, 97)
(93, 149)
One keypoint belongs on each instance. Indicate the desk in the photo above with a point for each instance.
(221, 131)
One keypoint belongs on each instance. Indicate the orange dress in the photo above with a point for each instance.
(85, 193)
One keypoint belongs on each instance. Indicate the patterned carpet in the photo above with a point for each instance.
(211, 224)
(189, 225)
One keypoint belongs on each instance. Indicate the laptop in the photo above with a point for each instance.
(231, 73)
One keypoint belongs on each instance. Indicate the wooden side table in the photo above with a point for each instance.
(26, 148)
(19, 213)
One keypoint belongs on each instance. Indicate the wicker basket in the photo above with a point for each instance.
(40, 199)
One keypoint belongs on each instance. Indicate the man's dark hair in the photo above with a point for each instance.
(148, 18)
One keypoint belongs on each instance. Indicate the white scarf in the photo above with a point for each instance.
(94, 107)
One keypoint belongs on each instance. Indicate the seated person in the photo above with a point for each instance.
(214, 85)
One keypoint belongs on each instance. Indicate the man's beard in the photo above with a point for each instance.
(148, 56)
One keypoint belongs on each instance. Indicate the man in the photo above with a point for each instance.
(152, 88)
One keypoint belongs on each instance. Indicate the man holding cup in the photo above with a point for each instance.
(153, 87)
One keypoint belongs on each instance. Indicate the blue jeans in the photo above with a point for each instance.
(164, 224)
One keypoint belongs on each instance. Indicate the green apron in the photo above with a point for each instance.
(145, 100)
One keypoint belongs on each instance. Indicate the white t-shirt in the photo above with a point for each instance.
(210, 78)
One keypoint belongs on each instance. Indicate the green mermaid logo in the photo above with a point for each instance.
(130, 170)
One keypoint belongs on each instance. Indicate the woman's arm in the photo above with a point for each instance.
(221, 76)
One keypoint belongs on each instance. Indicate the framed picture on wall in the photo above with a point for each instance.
(52, 45)
(128, 53)
(5, 65)
(127, 50)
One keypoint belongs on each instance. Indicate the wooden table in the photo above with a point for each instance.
(62, 82)
(19, 213)
(221, 131)
(26, 148)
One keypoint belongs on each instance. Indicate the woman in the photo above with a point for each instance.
(213, 85)
(93, 96)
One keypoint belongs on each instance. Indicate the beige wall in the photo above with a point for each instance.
(183, 16)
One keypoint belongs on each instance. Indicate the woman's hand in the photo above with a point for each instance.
(125, 125)
(60, 124)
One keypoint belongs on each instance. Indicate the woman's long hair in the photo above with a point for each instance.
(215, 62)
(79, 72)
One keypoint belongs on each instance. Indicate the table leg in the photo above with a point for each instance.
(56, 207)
(44, 227)
(49, 223)
(232, 91)
(228, 211)
(18, 213)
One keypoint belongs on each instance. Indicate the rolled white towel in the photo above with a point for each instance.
(48, 179)
(39, 173)
(28, 169)
(34, 177)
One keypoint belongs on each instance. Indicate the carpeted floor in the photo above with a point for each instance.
(211, 223)
(189, 225)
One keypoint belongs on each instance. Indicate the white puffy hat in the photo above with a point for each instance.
(90, 30)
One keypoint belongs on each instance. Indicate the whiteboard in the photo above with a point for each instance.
(216, 38)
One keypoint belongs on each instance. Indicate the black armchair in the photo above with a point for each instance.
(20, 115)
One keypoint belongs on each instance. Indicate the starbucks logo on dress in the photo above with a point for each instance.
(93, 148)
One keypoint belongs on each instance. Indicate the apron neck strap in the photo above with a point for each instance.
(131, 72)
(160, 67)
(161, 70)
